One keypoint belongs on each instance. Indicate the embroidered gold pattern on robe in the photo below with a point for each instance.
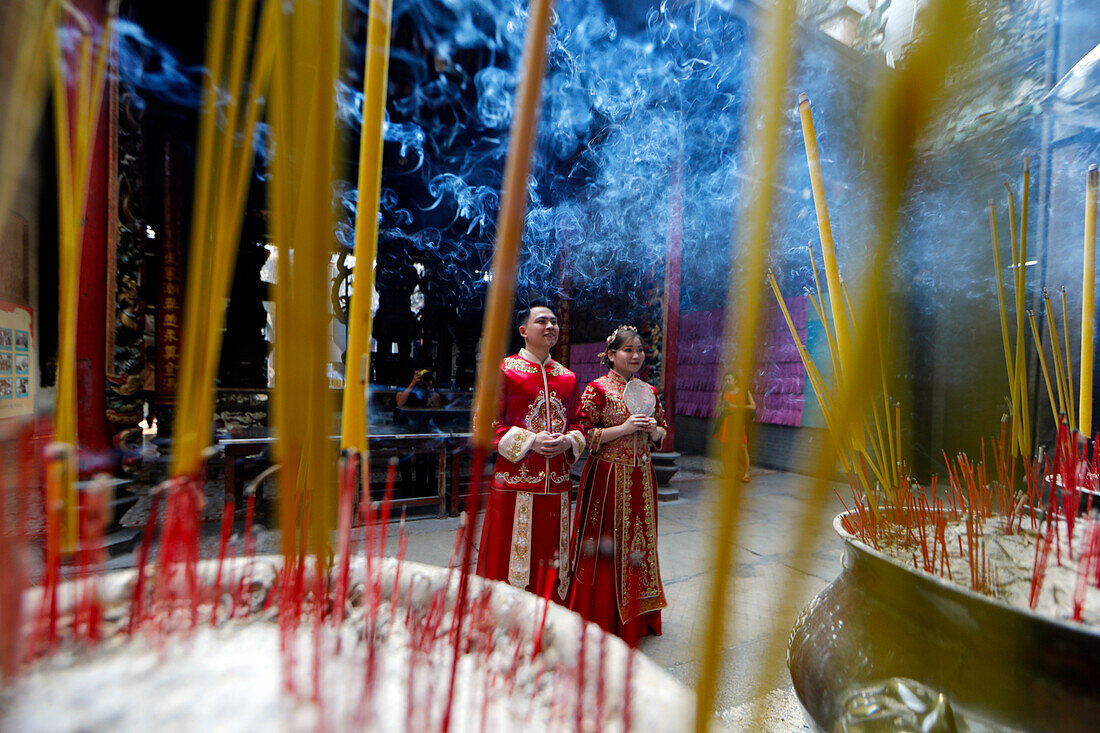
(628, 450)
(563, 547)
(519, 558)
(520, 365)
(514, 449)
(508, 479)
(536, 414)
(521, 477)
(636, 549)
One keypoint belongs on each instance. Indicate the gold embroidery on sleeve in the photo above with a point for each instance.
(515, 448)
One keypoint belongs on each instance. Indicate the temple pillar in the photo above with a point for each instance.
(126, 237)
(674, 248)
(95, 452)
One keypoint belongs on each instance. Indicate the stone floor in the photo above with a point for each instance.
(763, 568)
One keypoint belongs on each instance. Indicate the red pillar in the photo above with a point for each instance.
(92, 428)
(674, 248)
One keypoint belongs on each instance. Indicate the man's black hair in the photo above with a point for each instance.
(524, 313)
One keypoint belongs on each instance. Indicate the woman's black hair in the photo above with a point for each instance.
(615, 341)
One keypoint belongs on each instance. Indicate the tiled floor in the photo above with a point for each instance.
(763, 566)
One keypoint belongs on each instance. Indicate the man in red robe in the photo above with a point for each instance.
(525, 534)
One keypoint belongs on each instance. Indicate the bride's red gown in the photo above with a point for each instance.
(616, 577)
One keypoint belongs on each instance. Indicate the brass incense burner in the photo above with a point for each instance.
(886, 647)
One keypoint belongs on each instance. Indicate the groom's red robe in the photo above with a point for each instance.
(526, 529)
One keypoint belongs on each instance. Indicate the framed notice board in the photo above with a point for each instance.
(17, 355)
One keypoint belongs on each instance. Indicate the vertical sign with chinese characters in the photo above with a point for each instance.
(170, 298)
(169, 314)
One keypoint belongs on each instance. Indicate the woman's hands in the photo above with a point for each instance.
(641, 424)
(631, 426)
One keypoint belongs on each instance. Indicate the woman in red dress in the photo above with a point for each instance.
(616, 577)
(735, 398)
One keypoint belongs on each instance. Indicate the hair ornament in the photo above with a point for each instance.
(615, 333)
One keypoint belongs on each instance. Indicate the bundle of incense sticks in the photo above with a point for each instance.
(1060, 392)
(297, 50)
(26, 27)
(973, 500)
(307, 606)
(76, 121)
(902, 107)
(353, 436)
(501, 296)
(303, 123)
(224, 164)
(741, 334)
(223, 169)
(869, 449)
(1015, 361)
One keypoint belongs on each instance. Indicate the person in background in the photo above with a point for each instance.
(525, 534)
(616, 576)
(410, 402)
(735, 398)
(420, 392)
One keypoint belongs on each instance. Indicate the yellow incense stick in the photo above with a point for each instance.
(904, 106)
(880, 446)
(897, 435)
(357, 368)
(847, 301)
(891, 456)
(1069, 370)
(513, 205)
(1065, 398)
(1000, 293)
(224, 166)
(1043, 364)
(834, 349)
(741, 330)
(893, 428)
(825, 229)
(1021, 421)
(280, 196)
(303, 119)
(819, 307)
(60, 501)
(1088, 304)
(28, 26)
(75, 127)
(816, 381)
(821, 391)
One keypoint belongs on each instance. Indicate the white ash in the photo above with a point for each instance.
(231, 677)
(1011, 559)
